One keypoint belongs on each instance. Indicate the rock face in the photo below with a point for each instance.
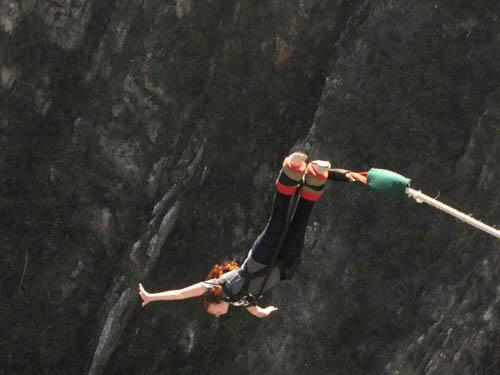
(139, 142)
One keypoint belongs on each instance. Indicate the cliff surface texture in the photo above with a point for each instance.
(140, 141)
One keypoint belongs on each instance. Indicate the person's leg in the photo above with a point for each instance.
(286, 184)
(315, 180)
(294, 241)
(262, 249)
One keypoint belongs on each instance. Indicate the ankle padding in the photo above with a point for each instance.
(294, 172)
(311, 193)
(290, 176)
(314, 183)
(285, 185)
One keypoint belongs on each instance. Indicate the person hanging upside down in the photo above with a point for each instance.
(228, 284)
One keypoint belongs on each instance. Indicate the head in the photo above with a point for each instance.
(217, 309)
(212, 301)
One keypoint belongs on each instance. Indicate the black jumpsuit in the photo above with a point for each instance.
(262, 251)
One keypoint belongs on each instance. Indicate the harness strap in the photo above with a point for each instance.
(244, 295)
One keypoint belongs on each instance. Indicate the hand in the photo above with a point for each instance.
(268, 310)
(146, 297)
(349, 177)
(360, 177)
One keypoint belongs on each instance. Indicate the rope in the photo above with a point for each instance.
(422, 198)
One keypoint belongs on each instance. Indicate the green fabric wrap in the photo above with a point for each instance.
(387, 182)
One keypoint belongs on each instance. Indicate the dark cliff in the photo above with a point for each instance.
(139, 141)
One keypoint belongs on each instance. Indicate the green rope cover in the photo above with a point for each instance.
(387, 182)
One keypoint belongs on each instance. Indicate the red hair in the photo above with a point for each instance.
(213, 295)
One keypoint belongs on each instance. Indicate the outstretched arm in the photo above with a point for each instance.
(339, 174)
(191, 291)
(359, 176)
(261, 312)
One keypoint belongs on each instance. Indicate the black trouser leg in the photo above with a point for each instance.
(294, 241)
(266, 244)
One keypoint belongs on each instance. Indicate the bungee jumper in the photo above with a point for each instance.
(276, 252)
